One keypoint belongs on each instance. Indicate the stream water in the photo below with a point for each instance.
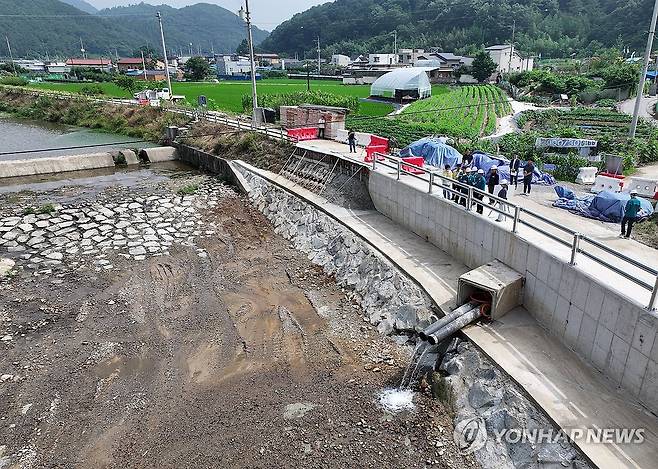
(21, 135)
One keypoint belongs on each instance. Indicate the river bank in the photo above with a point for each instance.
(147, 123)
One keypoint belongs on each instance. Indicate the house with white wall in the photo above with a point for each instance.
(340, 60)
(508, 59)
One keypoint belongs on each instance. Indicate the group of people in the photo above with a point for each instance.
(470, 175)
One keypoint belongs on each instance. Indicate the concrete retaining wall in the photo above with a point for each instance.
(159, 154)
(609, 331)
(55, 164)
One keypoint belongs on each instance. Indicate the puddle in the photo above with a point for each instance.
(397, 400)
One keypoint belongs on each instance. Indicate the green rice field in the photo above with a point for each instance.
(227, 96)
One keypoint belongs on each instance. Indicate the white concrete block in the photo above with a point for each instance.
(560, 315)
(529, 292)
(594, 301)
(645, 334)
(616, 367)
(487, 238)
(600, 357)
(543, 267)
(610, 311)
(549, 305)
(586, 336)
(580, 292)
(533, 259)
(649, 389)
(636, 367)
(573, 326)
(626, 323)
(519, 250)
(555, 274)
(567, 281)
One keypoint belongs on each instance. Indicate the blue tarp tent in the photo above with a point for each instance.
(434, 151)
(609, 206)
(605, 206)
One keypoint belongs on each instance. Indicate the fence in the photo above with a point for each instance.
(577, 242)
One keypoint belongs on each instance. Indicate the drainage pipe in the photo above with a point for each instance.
(462, 321)
(447, 319)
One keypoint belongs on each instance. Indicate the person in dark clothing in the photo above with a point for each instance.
(502, 194)
(514, 166)
(479, 183)
(464, 179)
(494, 180)
(631, 211)
(351, 139)
(528, 171)
(457, 173)
(322, 125)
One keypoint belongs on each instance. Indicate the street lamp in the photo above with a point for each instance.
(245, 15)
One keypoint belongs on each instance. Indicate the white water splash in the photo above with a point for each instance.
(397, 400)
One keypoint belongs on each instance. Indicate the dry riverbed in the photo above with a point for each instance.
(144, 327)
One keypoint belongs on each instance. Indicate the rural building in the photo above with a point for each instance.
(411, 56)
(382, 59)
(403, 84)
(58, 68)
(102, 65)
(509, 60)
(340, 60)
(130, 63)
(151, 75)
(232, 65)
(267, 60)
(32, 65)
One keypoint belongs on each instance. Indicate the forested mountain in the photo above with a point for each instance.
(553, 28)
(37, 27)
(81, 5)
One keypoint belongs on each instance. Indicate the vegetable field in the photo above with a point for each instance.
(466, 112)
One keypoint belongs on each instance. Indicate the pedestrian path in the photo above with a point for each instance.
(572, 393)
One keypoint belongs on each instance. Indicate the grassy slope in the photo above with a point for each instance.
(228, 95)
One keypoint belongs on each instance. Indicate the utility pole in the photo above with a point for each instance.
(144, 66)
(643, 76)
(164, 50)
(11, 55)
(245, 14)
(511, 54)
(319, 58)
(82, 49)
(395, 42)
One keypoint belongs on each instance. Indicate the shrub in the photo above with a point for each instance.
(13, 81)
(321, 98)
(91, 90)
(190, 189)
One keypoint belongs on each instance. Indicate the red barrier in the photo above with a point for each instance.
(304, 133)
(378, 141)
(416, 161)
(610, 175)
(372, 150)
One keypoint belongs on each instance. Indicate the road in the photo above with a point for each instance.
(647, 107)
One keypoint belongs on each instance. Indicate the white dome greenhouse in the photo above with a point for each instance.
(412, 82)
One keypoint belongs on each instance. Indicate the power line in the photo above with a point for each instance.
(45, 150)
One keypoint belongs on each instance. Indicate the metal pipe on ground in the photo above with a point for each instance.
(447, 319)
(462, 321)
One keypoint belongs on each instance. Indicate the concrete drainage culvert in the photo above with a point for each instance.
(488, 406)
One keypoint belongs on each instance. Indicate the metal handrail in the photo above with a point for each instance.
(575, 244)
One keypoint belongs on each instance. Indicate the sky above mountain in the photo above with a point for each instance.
(267, 14)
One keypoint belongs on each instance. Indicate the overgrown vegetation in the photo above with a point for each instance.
(43, 209)
(303, 97)
(189, 189)
(146, 122)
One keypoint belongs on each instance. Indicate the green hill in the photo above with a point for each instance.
(553, 28)
(37, 27)
(82, 5)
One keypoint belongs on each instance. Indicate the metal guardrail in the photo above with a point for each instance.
(515, 212)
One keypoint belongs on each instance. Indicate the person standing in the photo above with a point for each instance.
(528, 171)
(448, 174)
(351, 139)
(494, 180)
(322, 125)
(479, 183)
(502, 194)
(514, 166)
(631, 211)
(465, 180)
